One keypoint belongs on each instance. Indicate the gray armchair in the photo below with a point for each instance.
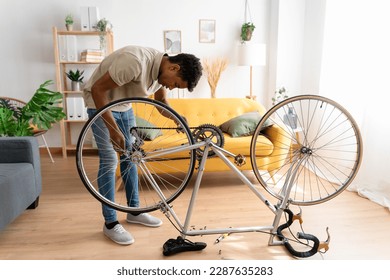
(20, 177)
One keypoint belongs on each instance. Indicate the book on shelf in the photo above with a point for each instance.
(92, 55)
(92, 58)
(93, 51)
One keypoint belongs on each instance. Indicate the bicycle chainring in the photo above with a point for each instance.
(210, 131)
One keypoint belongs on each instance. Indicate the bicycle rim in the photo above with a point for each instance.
(318, 151)
(158, 150)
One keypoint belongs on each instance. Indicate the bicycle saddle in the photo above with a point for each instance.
(173, 246)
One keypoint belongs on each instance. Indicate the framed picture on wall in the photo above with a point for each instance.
(172, 41)
(207, 31)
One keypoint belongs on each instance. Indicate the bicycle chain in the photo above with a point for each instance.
(199, 134)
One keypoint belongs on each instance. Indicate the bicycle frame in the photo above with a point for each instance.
(318, 168)
(184, 228)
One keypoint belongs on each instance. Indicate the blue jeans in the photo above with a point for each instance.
(108, 161)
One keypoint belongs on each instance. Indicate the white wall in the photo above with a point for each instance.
(291, 29)
(295, 46)
(355, 74)
(27, 49)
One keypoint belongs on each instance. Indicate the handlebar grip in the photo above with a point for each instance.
(300, 235)
(312, 251)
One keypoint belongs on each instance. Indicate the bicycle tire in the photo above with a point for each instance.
(318, 151)
(159, 174)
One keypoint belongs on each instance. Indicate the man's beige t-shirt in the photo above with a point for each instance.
(134, 69)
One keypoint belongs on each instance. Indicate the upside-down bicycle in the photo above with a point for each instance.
(318, 154)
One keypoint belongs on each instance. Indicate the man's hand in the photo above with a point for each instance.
(179, 126)
(117, 140)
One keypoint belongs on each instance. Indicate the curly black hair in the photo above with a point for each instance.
(190, 68)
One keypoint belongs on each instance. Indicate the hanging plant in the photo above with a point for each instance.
(246, 31)
(103, 26)
(247, 27)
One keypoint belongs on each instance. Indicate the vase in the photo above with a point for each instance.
(249, 35)
(290, 118)
(76, 86)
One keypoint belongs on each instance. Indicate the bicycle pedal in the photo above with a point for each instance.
(174, 246)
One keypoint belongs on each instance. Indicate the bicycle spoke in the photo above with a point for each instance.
(324, 141)
(161, 147)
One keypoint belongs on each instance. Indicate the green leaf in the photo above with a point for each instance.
(42, 111)
(11, 126)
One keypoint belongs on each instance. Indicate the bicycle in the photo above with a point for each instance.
(319, 156)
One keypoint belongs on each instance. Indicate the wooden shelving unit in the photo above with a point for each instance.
(62, 67)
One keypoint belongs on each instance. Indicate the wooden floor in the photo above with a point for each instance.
(68, 224)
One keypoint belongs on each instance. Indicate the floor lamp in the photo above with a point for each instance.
(251, 55)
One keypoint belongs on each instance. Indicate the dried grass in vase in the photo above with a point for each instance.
(214, 69)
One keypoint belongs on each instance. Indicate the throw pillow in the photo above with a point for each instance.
(144, 131)
(243, 125)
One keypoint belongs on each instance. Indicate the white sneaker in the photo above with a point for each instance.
(119, 235)
(144, 219)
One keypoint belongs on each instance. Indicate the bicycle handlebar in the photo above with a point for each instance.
(300, 235)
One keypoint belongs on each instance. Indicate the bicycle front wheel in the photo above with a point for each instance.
(155, 166)
(318, 151)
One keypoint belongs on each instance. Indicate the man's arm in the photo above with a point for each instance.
(161, 95)
(99, 93)
(100, 89)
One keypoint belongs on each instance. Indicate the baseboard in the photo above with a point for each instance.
(53, 150)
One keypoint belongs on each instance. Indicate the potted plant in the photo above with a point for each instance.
(76, 77)
(279, 95)
(214, 70)
(42, 111)
(103, 25)
(69, 22)
(290, 117)
(246, 31)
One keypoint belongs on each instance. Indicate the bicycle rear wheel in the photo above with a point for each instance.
(319, 150)
(159, 149)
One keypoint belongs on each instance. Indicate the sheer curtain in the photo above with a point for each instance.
(355, 72)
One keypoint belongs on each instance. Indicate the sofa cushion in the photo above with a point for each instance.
(241, 145)
(243, 125)
(17, 190)
(145, 133)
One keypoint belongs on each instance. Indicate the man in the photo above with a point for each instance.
(130, 72)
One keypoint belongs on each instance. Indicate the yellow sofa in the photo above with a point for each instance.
(216, 111)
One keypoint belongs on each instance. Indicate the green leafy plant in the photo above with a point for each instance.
(279, 95)
(246, 31)
(75, 76)
(41, 111)
(103, 25)
(69, 19)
